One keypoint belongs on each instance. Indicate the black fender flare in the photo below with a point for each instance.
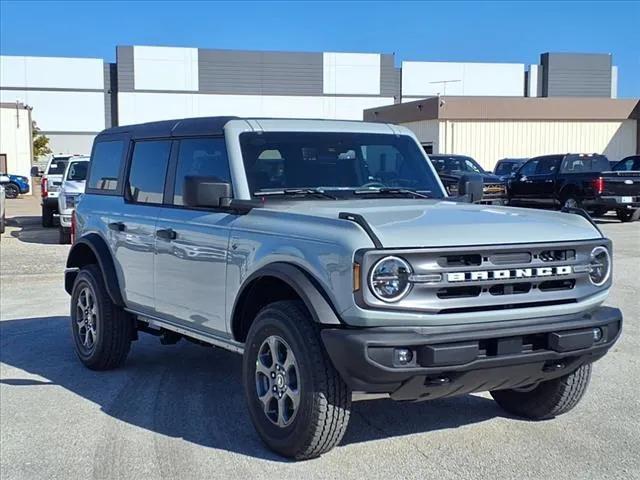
(101, 252)
(305, 286)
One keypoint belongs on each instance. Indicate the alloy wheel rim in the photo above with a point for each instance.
(277, 381)
(87, 318)
(571, 203)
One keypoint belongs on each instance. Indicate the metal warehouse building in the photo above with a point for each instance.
(491, 128)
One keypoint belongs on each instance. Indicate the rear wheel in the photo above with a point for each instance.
(101, 330)
(298, 402)
(548, 399)
(599, 211)
(11, 190)
(624, 215)
(47, 217)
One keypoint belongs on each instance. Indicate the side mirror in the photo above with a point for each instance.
(206, 192)
(470, 188)
(35, 171)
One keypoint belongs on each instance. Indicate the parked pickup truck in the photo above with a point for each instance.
(329, 255)
(576, 181)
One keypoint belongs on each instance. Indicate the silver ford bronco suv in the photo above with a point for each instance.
(328, 254)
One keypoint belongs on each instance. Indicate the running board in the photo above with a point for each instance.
(214, 340)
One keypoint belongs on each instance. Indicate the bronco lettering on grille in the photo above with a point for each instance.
(509, 274)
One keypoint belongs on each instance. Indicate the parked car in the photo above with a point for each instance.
(15, 185)
(328, 254)
(2, 207)
(73, 183)
(507, 166)
(451, 168)
(50, 187)
(576, 181)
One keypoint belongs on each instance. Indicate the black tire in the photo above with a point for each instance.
(113, 326)
(11, 190)
(47, 217)
(64, 236)
(547, 400)
(2, 224)
(324, 399)
(624, 215)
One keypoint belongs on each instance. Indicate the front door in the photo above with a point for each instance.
(192, 243)
(543, 182)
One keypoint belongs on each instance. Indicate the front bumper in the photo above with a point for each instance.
(456, 360)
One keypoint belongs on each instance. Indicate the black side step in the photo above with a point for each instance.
(359, 219)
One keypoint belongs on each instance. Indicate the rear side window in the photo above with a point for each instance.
(105, 165)
(200, 157)
(148, 171)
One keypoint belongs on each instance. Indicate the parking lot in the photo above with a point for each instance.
(178, 411)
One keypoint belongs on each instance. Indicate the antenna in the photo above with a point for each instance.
(444, 85)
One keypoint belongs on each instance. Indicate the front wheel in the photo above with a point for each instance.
(101, 330)
(297, 400)
(11, 190)
(548, 399)
(570, 202)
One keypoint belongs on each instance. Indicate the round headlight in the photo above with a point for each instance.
(389, 279)
(600, 266)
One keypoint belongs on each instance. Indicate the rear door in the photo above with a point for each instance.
(133, 228)
(192, 243)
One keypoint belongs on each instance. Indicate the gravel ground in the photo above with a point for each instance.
(178, 411)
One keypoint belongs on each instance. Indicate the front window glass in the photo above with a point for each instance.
(529, 168)
(77, 171)
(340, 162)
(201, 157)
(455, 163)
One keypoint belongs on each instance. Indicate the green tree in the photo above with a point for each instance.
(40, 142)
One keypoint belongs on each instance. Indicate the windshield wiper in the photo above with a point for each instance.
(391, 191)
(294, 191)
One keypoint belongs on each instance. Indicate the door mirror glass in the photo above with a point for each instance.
(470, 188)
(206, 192)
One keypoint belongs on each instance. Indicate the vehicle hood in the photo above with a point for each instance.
(435, 223)
(73, 187)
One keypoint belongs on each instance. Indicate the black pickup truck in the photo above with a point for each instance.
(576, 180)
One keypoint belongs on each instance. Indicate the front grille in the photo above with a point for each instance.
(485, 278)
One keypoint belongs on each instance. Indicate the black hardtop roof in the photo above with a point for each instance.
(183, 127)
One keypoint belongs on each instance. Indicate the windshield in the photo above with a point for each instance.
(338, 162)
(580, 163)
(57, 166)
(628, 164)
(77, 171)
(455, 163)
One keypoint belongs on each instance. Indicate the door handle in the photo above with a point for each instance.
(117, 226)
(167, 234)
(549, 181)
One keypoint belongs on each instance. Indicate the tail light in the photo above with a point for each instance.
(43, 188)
(73, 226)
(598, 185)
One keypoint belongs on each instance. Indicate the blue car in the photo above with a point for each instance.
(17, 185)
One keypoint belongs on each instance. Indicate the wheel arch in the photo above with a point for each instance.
(279, 281)
(92, 249)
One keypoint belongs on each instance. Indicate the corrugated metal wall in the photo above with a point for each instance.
(487, 142)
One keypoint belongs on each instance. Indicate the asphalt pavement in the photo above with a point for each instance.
(178, 411)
